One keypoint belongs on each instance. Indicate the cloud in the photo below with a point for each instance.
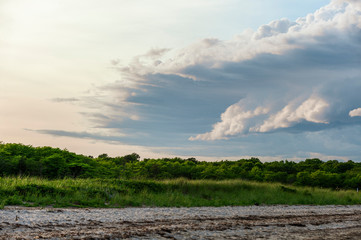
(311, 110)
(274, 28)
(277, 77)
(355, 113)
(235, 120)
(65, 100)
(320, 53)
(287, 82)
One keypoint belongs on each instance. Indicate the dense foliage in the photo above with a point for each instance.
(54, 163)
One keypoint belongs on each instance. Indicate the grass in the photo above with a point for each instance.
(29, 191)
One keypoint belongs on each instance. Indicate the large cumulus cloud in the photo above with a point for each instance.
(318, 72)
(287, 77)
(278, 77)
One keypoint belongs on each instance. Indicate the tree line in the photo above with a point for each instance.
(54, 163)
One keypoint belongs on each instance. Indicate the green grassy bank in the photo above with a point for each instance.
(166, 193)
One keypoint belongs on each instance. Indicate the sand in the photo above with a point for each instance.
(251, 222)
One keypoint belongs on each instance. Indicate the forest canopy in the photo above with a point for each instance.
(54, 163)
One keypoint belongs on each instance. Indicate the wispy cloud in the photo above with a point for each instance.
(65, 99)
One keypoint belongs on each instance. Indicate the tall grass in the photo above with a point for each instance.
(30, 191)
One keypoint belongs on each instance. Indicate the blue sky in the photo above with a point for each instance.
(207, 79)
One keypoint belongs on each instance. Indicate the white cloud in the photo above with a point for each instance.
(273, 28)
(235, 120)
(276, 37)
(238, 121)
(311, 110)
(355, 113)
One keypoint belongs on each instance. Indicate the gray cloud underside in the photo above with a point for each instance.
(82, 135)
(335, 142)
(180, 104)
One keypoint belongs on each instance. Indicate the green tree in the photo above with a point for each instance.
(54, 166)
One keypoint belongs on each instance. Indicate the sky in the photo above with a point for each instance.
(211, 79)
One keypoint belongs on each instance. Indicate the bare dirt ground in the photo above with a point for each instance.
(263, 222)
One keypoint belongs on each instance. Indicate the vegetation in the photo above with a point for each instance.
(54, 163)
(45, 176)
(30, 191)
